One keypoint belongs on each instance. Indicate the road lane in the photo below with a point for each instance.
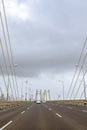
(6, 116)
(48, 116)
(71, 114)
(39, 117)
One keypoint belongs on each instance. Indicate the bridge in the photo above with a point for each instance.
(19, 109)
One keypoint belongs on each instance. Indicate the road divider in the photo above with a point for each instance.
(73, 102)
(5, 105)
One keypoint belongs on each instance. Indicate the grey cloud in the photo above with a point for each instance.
(51, 40)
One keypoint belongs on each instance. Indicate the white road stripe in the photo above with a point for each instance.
(58, 115)
(6, 125)
(22, 112)
(50, 109)
(84, 110)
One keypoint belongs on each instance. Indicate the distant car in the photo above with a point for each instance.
(38, 102)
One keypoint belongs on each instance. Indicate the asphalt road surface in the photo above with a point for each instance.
(47, 116)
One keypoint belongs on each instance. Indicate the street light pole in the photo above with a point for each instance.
(29, 90)
(62, 86)
(26, 92)
(22, 92)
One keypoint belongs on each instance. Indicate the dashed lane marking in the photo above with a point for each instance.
(6, 125)
(22, 112)
(58, 115)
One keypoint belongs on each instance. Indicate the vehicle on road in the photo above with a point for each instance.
(38, 102)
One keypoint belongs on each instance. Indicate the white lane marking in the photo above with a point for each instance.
(50, 109)
(69, 107)
(6, 125)
(84, 110)
(58, 115)
(28, 108)
(22, 112)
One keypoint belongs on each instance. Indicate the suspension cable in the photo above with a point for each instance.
(78, 76)
(76, 67)
(80, 84)
(6, 66)
(10, 46)
(7, 50)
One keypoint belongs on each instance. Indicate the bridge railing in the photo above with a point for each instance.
(74, 102)
(11, 104)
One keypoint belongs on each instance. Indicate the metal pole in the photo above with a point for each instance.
(63, 89)
(62, 86)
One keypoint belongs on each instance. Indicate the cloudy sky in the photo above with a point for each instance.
(46, 38)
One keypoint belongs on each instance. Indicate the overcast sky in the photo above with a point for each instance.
(46, 38)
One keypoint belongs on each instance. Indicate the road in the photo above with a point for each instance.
(47, 116)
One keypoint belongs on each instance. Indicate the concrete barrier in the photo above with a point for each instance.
(12, 104)
(74, 102)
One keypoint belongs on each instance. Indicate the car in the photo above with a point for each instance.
(38, 102)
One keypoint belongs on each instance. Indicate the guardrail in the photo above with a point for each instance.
(4, 105)
(73, 102)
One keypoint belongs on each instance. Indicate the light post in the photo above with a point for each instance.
(83, 81)
(28, 90)
(62, 86)
(22, 92)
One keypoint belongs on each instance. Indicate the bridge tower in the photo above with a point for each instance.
(45, 95)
